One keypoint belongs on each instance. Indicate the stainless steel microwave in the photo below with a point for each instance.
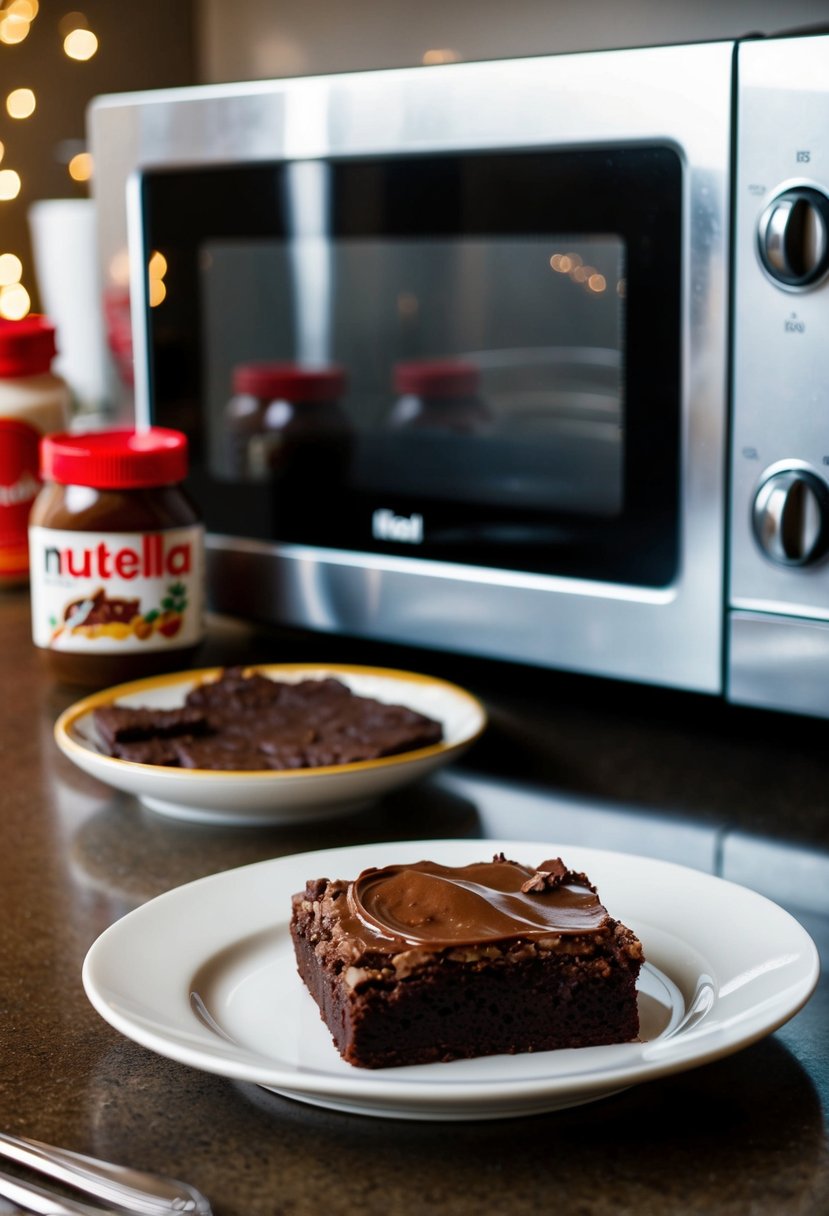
(524, 359)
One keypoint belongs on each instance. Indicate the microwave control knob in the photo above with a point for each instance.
(791, 517)
(793, 236)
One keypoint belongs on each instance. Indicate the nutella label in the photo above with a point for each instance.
(117, 592)
(19, 485)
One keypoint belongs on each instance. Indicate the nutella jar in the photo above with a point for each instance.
(116, 557)
(285, 421)
(439, 395)
(33, 402)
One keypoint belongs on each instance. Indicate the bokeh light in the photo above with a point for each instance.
(15, 22)
(14, 302)
(573, 265)
(443, 54)
(21, 103)
(80, 44)
(9, 184)
(27, 10)
(156, 270)
(157, 265)
(11, 268)
(157, 292)
(80, 167)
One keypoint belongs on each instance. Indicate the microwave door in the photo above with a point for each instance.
(507, 327)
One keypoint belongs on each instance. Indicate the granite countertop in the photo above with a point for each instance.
(740, 793)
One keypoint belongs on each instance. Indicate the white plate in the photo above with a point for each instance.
(297, 796)
(205, 974)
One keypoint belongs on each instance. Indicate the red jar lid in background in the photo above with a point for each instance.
(437, 378)
(115, 460)
(27, 347)
(289, 382)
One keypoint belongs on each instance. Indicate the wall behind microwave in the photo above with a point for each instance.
(257, 39)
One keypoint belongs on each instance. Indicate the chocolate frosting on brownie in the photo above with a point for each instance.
(411, 964)
(425, 903)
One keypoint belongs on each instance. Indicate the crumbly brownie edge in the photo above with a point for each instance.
(461, 1003)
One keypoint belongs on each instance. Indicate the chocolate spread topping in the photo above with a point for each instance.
(443, 906)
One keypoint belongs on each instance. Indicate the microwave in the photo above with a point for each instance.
(521, 359)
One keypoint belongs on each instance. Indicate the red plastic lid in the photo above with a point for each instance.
(289, 381)
(437, 378)
(27, 347)
(115, 460)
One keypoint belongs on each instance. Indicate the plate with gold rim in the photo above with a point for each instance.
(273, 796)
(205, 975)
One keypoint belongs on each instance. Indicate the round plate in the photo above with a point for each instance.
(206, 975)
(295, 796)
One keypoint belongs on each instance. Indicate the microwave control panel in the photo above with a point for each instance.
(778, 637)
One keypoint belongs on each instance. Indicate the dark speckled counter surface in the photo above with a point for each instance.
(740, 793)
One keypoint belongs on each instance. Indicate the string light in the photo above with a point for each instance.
(80, 44)
(9, 184)
(21, 103)
(156, 269)
(11, 269)
(439, 55)
(574, 267)
(16, 19)
(158, 265)
(13, 30)
(80, 167)
(24, 10)
(15, 302)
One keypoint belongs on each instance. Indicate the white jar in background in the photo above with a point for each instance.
(34, 401)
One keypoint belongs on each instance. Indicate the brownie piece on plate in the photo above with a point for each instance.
(122, 724)
(411, 964)
(245, 722)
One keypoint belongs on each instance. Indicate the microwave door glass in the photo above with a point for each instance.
(442, 398)
(428, 356)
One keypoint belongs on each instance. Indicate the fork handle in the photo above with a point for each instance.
(135, 1191)
(37, 1199)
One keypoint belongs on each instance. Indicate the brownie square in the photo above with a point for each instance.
(245, 722)
(422, 963)
(122, 724)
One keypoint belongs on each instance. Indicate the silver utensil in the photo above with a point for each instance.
(133, 1191)
(37, 1199)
